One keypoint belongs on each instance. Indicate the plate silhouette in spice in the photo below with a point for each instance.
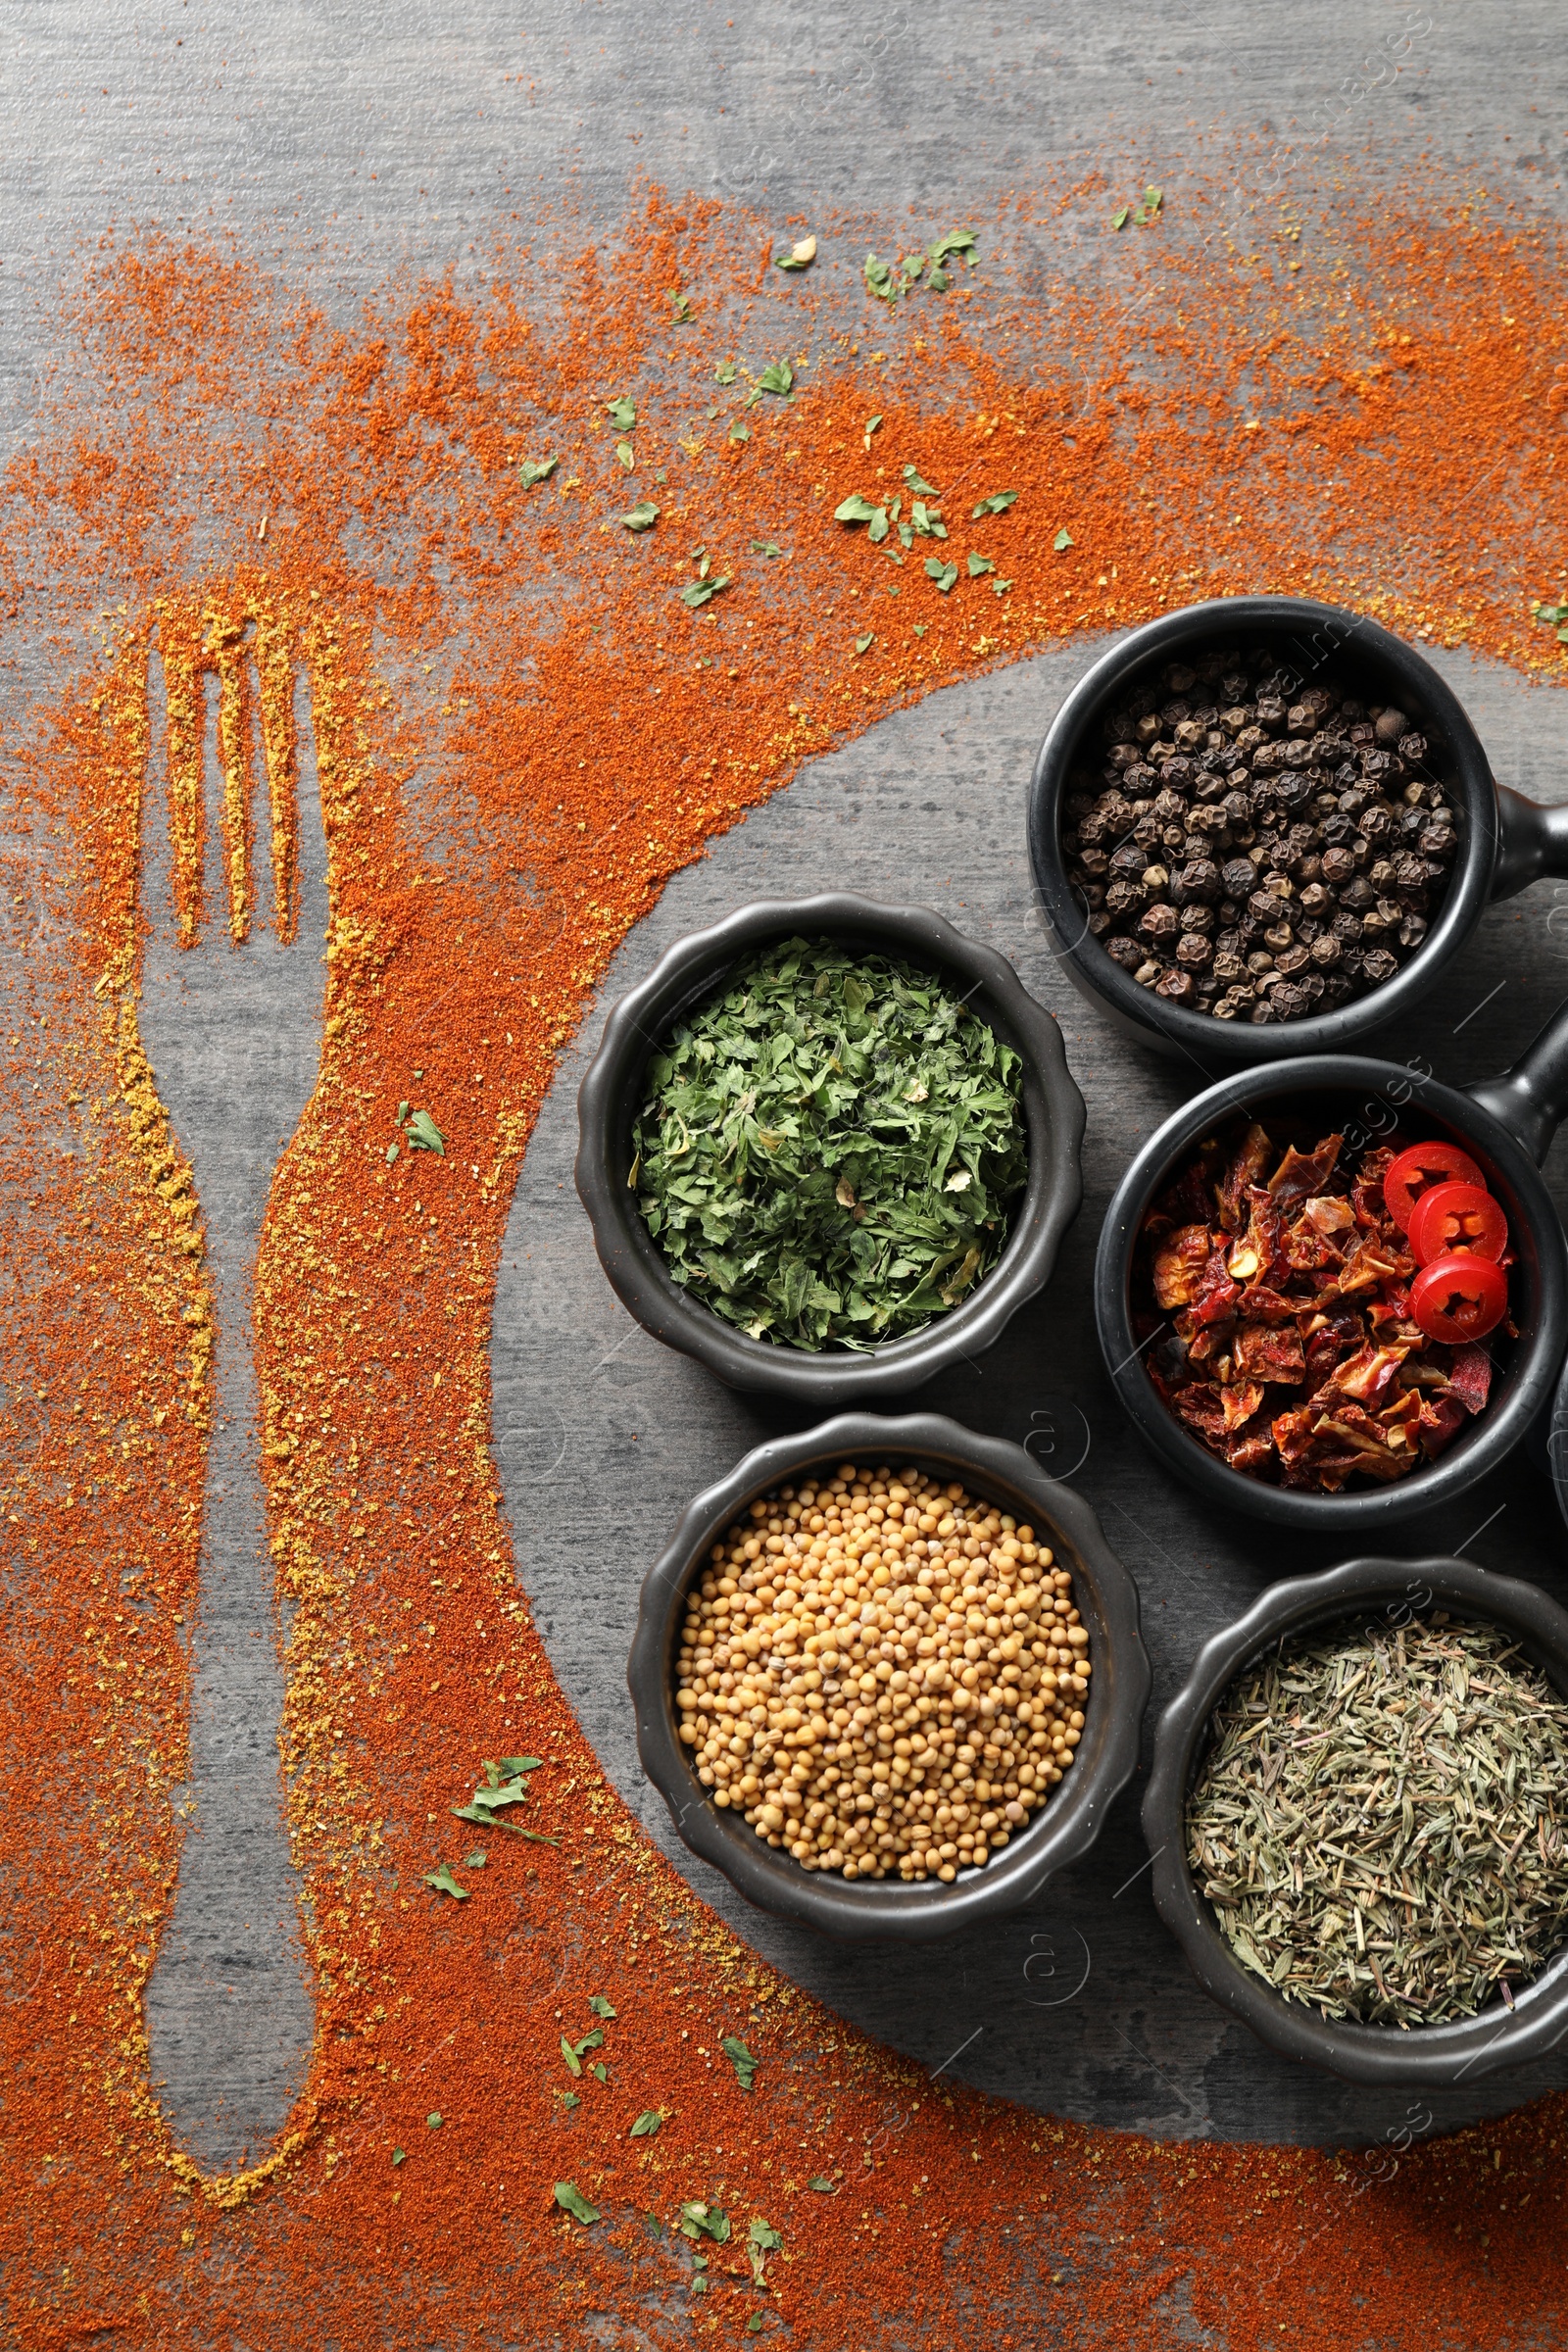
(1297, 1333)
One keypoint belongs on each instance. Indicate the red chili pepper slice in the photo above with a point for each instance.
(1416, 1170)
(1457, 1217)
(1459, 1298)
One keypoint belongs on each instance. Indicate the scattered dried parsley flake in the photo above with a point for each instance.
(741, 2059)
(795, 1150)
(442, 1880)
(570, 2199)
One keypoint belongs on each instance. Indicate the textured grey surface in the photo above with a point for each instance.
(349, 145)
(1083, 2005)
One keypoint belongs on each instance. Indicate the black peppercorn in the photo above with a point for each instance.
(1350, 849)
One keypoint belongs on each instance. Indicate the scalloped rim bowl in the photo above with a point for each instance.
(1439, 2057)
(688, 971)
(865, 1910)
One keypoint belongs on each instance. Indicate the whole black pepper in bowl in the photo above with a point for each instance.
(1255, 849)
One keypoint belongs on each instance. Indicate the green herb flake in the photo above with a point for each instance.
(997, 504)
(400, 2155)
(739, 432)
(504, 1785)
(754, 2323)
(600, 2072)
(761, 2240)
(648, 2122)
(642, 516)
(873, 424)
(600, 2006)
(863, 645)
(699, 2219)
(627, 454)
(569, 2100)
(433, 2122)
(724, 372)
(919, 628)
(391, 1153)
(978, 565)
(424, 1135)
(444, 1883)
(623, 413)
(741, 2059)
(1149, 209)
(568, 2052)
(477, 1860)
(1121, 218)
(823, 2188)
(921, 489)
(776, 378)
(881, 281)
(570, 2199)
(682, 306)
(795, 1078)
(956, 240)
(766, 547)
(702, 592)
(999, 587)
(1062, 540)
(944, 574)
(857, 509)
(536, 470)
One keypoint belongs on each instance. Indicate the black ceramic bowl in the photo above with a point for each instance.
(612, 1091)
(1505, 1125)
(1435, 2056)
(1504, 840)
(1107, 1598)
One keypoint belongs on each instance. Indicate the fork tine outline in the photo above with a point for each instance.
(225, 642)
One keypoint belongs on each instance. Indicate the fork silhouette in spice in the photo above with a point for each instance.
(235, 905)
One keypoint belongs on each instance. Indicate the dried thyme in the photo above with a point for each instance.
(1378, 1823)
(829, 1149)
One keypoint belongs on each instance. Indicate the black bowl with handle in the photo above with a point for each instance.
(611, 1094)
(1065, 1827)
(1505, 1124)
(1440, 2057)
(1505, 840)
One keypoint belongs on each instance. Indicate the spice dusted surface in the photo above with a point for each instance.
(487, 852)
(828, 1150)
(937, 1693)
(1377, 1825)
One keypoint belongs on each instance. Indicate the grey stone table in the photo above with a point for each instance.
(1083, 2005)
(346, 147)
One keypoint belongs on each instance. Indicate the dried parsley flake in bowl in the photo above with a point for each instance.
(1381, 1821)
(829, 1148)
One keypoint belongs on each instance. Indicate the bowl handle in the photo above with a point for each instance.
(1531, 1098)
(1531, 841)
